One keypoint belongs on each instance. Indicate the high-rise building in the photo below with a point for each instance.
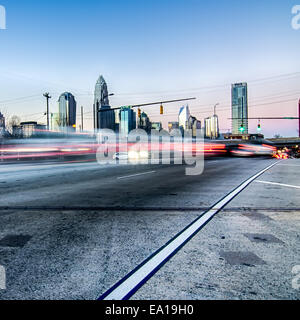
(239, 92)
(127, 120)
(67, 111)
(194, 124)
(184, 115)
(2, 123)
(104, 117)
(212, 127)
(144, 123)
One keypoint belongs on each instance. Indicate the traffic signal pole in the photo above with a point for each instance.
(150, 104)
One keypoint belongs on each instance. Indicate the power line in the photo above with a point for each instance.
(20, 98)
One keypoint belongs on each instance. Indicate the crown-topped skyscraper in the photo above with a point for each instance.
(102, 120)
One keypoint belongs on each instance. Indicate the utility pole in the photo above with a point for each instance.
(52, 121)
(47, 96)
(81, 118)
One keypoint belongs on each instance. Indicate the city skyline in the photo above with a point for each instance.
(156, 61)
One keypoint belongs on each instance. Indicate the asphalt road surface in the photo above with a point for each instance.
(73, 230)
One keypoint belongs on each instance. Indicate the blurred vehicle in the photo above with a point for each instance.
(252, 150)
(121, 156)
(131, 155)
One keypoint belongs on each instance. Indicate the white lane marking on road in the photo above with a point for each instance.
(136, 175)
(2, 278)
(130, 285)
(278, 184)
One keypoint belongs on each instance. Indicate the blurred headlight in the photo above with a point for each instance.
(144, 154)
(133, 155)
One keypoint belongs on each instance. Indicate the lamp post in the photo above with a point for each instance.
(47, 96)
(215, 108)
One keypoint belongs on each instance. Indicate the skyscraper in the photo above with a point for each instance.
(144, 123)
(2, 124)
(127, 120)
(104, 118)
(194, 125)
(239, 92)
(67, 110)
(212, 127)
(184, 115)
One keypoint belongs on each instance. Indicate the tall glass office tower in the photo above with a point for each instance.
(106, 118)
(239, 93)
(67, 110)
(183, 118)
(127, 120)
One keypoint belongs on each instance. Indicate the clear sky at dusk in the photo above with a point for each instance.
(152, 50)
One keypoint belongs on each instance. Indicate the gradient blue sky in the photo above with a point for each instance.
(152, 50)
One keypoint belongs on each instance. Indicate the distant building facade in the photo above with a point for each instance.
(67, 111)
(229, 136)
(104, 117)
(212, 127)
(157, 126)
(173, 126)
(2, 124)
(239, 92)
(144, 123)
(187, 122)
(28, 130)
(194, 125)
(127, 120)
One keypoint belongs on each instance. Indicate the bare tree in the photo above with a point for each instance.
(13, 121)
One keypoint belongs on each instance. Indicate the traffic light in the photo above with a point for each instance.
(242, 128)
(259, 127)
(139, 112)
(161, 109)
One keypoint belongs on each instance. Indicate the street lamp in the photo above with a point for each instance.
(215, 108)
(48, 97)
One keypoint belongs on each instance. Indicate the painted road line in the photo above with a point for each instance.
(136, 175)
(2, 278)
(278, 184)
(129, 285)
